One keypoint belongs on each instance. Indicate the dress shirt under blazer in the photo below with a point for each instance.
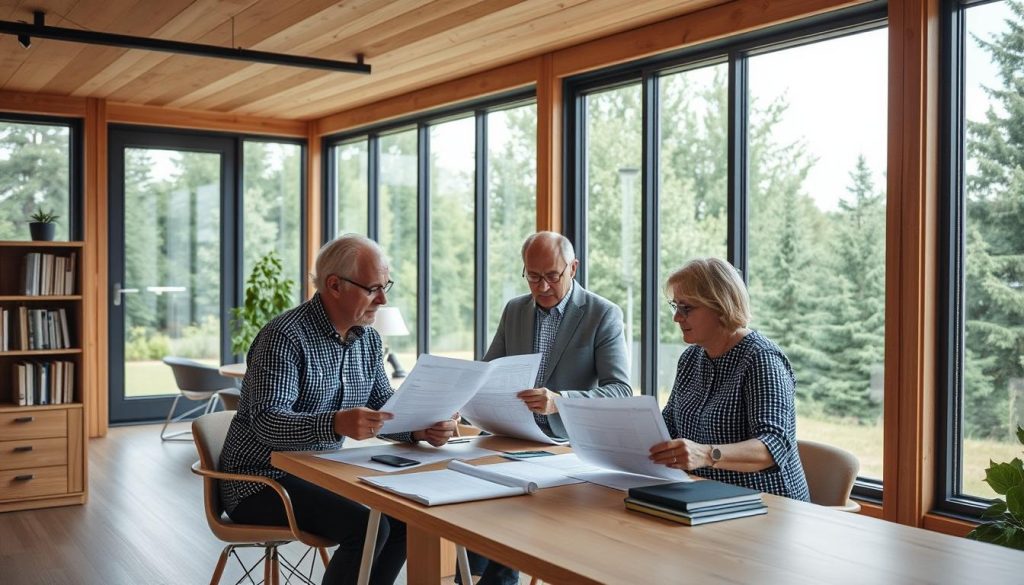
(588, 358)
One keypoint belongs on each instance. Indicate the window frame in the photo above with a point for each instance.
(735, 51)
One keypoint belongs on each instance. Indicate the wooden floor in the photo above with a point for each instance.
(143, 525)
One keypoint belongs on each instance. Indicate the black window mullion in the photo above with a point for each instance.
(423, 239)
(373, 187)
(649, 238)
(232, 233)
(739, 172)
(329, 178)
(480, 219)
(574, 189)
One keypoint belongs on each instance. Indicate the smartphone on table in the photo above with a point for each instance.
(394, 460)
(518, 455)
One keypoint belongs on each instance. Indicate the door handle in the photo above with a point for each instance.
(118, 291)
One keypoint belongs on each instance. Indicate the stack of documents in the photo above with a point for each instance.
(696, 502)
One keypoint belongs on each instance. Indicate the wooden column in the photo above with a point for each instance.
(549, 146)
(94, 274)
(314, 199)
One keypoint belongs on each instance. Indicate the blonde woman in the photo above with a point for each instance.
(731, 414)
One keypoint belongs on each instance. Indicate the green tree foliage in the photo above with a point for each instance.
(994, 300)
(34, 171)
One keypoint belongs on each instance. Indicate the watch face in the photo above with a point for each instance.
(716, 454)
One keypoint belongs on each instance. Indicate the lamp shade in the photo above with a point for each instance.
(389, 322)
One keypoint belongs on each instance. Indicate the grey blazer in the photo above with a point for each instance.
(588, 358)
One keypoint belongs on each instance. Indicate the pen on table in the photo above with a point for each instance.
(460, 440)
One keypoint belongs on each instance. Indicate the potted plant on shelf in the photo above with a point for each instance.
(267, 295)
(42, 227)
(1005, 524)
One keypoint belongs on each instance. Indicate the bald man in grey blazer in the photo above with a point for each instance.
(580, 338)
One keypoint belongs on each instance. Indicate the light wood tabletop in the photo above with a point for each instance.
(232, 370)
(583, 534)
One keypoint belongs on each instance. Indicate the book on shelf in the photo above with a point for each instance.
(727, 512)
(694, 495)
(43, 382)
(48, 274)
(460, 482)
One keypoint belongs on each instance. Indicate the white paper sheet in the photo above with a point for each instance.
(617, 433)
(461, 482)
(361, 455)
(496, 409)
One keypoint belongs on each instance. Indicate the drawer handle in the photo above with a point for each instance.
(26, 477)
(22, 448)
(24, 419)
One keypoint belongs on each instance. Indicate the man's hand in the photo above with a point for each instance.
(360, 422)
(681, 454)
(539, 400)
(438, 434)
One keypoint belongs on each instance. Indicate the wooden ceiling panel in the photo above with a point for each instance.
(410, 44)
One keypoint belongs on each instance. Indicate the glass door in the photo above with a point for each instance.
(168, 244)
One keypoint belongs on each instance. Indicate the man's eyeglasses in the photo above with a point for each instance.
(681, 309)
(370, 290)
(550, 277)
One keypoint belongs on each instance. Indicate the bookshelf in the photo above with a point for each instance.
(42, 445)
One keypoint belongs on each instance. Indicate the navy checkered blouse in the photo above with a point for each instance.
(748, 392)
(299, 373)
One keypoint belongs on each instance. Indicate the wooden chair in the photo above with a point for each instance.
(830, 473)
(209, 432)
(197, 382)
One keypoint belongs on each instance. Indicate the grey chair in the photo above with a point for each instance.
(197, 382)
(210, 431)
(830, 473)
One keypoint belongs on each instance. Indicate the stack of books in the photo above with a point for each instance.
(696, 502)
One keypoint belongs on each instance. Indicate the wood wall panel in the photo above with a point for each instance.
(911, 261)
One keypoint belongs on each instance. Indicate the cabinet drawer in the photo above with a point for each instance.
(34, 424)
(33, 482)
(33, 453)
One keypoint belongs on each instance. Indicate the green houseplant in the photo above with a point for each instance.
(42, 227)
(1005, 517)
(267, 294)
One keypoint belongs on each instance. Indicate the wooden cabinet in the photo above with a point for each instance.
(42, 446)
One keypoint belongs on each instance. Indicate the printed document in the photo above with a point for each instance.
(496, 409)
(461, 482)
(424, 454)
(438, 387)
(616, 434)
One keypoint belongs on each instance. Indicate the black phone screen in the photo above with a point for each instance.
(394, 460)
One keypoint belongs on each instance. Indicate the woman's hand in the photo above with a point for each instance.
(681, 454)
(438, 434)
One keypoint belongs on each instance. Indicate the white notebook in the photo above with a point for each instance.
(461, 482)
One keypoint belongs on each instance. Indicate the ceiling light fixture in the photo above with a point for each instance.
(38, 28)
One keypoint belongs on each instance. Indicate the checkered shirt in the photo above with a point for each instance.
(749, 392)
(299, 373)
(547, 323)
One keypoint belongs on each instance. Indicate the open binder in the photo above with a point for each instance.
(460, 482)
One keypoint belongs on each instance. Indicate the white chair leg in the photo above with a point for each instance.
(165, 436)
(463, 560)
(369, 544)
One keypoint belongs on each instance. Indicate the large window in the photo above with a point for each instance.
(450, 197)
(986, 245)
(37, 163)
(768, 151)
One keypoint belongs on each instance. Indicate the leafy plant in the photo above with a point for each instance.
(41, 216)
(1007, 526)
(267, 294)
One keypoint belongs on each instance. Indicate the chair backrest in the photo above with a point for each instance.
(209, 432)
(192, 376)
(830, 473)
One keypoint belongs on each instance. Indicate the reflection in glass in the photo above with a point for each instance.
(993, 373)
(272, 196)
(511, 201)
(398, 231)
(817, 146)
(452, 238)
(612, 151)
(350, 185)
(693, 187)
(35, 170)
(172, 264)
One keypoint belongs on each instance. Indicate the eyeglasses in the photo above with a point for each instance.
(550, 277)
(370, 290)
(681, 309)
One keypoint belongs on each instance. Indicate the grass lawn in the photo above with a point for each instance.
(152, 378)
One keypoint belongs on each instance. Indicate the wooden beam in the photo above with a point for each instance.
(37, 103)
(155, 116)
(911, 261)
(507, 78)
(95, 270)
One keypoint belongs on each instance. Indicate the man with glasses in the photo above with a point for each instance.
(579, 336)
(314, 376)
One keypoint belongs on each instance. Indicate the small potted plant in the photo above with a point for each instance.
(1004, 519)
(42, 227)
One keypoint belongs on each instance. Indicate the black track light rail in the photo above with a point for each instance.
(25, 32)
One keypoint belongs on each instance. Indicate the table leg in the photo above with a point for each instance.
(424, 550)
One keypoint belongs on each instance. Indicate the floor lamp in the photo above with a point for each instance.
(389, 323)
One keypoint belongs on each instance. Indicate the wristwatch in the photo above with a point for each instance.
(716, 455)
